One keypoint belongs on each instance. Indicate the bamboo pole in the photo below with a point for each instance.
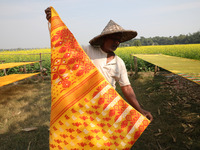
(131, 64)
(40, 63)
(4, 70)
(136, 66)
(156, 70)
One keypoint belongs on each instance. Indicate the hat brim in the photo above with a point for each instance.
(126, 36)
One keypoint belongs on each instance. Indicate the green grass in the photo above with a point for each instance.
(22, 106)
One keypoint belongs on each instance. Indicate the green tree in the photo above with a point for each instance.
(137, 43)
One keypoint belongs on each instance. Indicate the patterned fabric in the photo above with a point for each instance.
(86, 112)
(193, 77)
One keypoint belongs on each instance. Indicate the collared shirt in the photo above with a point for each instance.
(114, 71)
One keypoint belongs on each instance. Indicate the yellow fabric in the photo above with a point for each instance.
(14, 64)
(86, 112)
(187, 68)
(13, 78)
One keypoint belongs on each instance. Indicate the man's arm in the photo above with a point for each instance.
(131, 98)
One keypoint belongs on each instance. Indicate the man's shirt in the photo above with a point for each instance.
(114, 71)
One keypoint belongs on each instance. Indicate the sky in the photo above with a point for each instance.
(23, 23)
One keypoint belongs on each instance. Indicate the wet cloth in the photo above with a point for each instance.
(86, 111)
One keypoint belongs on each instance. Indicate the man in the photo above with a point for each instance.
(101, 52)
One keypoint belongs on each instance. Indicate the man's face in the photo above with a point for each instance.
(111, 42)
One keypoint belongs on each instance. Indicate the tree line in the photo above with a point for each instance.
(193, 38)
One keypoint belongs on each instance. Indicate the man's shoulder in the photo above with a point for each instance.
(90, 47)
(119, 59)
(92, 52)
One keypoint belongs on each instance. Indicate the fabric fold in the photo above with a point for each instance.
(86, 111)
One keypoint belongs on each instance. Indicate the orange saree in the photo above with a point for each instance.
(86, 111)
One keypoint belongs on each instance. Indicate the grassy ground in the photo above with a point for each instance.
(173, 101)
(22, 107)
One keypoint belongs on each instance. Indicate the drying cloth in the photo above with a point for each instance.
(86, 112)
(14, 64)
(14, 77)
(187, 68)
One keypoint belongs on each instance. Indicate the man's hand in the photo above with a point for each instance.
(147, 114)
(48, 13)
(131, 98)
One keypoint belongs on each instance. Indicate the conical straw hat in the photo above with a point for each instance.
(112, 28)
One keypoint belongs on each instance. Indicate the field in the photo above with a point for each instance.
(27, 55)
(191, 51)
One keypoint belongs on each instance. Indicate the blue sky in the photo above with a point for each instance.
(23, 23)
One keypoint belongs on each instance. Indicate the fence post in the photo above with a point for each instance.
(156, 70)
(41, 63)
(24, 68)
(131, 64)
(135, 65)
(4, 70)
